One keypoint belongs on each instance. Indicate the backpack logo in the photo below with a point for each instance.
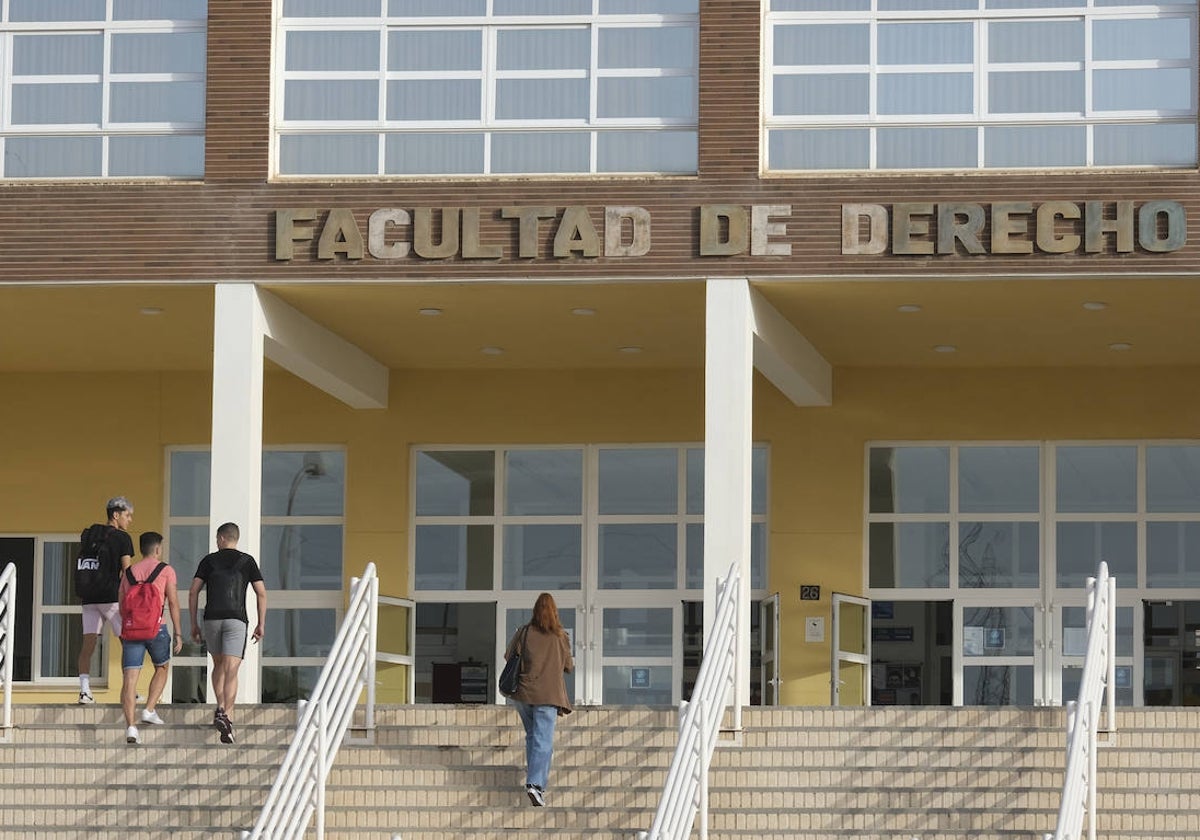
(87, 564)
(141, 608)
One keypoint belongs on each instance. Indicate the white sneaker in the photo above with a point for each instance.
(149, 716)
(131, 736)
(85, 699)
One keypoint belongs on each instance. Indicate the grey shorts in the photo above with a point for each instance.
(226, 637)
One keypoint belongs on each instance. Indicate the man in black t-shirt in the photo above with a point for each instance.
(226, 573)
(97, 578)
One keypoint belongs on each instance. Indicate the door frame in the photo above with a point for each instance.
(837, 656)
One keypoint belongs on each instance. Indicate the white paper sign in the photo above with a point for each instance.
(973, 641)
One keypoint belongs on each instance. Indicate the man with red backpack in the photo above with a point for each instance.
(145, 587)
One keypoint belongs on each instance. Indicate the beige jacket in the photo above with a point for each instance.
(544, 659)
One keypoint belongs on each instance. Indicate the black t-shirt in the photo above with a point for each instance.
(226, 574)
(117, 544)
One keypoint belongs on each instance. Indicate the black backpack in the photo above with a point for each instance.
(93, 572)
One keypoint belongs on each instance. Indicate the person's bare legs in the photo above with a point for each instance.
(231, 665)
(157, 683)
(85, 652)
(218, 679)
(129, 678)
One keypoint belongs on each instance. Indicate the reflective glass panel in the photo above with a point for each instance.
(1165, 89)
(331, 99)
(541, 7)
(431, 8)
(647, 151)
(542, 482)
(543, 49)
(177, 156)
(638, 685)
(160, 9)
(1135, 40)
(649, 7)
(336, 50)
(531, 152)
(58, 54)
(456, 483)
(186, 546)
(332, 8)
(639, 481)
(1082, 545)
(52, 157)
(288, 683)
(926, 148)
(638, 556)
(1049, 40)
(998, 554)
(329, 154)
(1035, 145)
(1074, 624)
(913, 479)
(27, 11)
(58, 573)
(909, 554)
(997, 685)
(61, 641)
(1072, 676)
(638, 631)
(1036, 92)
(454, 557)
(998, 479)
(758, 480)
(833, 93)
(434, 100)
(307, 632)
(542, 557)
(925, 5)
(1144, 145)
(1173, 554)
(542, 99)
(158, 52)
(435, 49)
(822, 44)
(647, 46)
(433, 154)
(997, 631)
(1173, 479)
(1097, 479)
(839, 148)
(663, 97)
(926, 43)
(301, 556)
(820, 5)
(304, 483)
(56, 104)
(926, 93)
(189, 684)
(694, 556)
(156, 102)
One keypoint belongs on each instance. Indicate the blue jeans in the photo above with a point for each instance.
(539, 740)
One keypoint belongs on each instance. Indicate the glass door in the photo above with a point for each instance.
(769, 640)
(570, 613)
(850, 665)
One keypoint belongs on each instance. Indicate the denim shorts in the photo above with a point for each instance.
(133, 654)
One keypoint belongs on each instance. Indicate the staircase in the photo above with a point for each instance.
(456, 773)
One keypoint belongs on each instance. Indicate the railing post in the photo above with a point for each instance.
(1093, 715)
(319, 768)
(8, 602)
(1111, 698)
(372, 648)
(705, 711)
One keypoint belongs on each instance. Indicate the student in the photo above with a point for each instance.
(133, 652)
(542, 695)
(226, 573)
(105, 551)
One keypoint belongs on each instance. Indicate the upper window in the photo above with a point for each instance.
(486, 87)
(102, 88)
(979, 84)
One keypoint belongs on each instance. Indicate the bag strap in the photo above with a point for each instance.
(524, 634)
(129, 576)
(157, 570)
(134, 581)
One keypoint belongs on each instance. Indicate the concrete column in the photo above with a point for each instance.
(237, 422)
(728, 410)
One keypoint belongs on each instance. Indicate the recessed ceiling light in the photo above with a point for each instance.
(945, 348)
(909, 307)
(632, 348)
(429, 310)
(491, 351)
(1120, 346)
(583, 310)
(1095, 305)
(151, 310)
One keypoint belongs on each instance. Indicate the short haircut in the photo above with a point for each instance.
(118, 504)
(229, 531)
(148, 541)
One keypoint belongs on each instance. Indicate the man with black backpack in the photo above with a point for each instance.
(104, 552)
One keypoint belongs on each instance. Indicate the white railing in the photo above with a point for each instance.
(8, 623)
(686, 788)
(299, 789)
(1083, 715)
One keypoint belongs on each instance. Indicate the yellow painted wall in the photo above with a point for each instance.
(61, 460)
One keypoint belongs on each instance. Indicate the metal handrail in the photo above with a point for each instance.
(1083, 715)
(8, 623)
(686, 788)
(299, 789)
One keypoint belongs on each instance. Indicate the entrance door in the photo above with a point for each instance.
(769, 639)
(850, 665)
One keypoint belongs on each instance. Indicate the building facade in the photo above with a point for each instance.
(886, 298)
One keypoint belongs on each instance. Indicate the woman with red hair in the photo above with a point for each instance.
(542, 695)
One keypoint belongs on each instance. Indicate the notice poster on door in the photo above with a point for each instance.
(973, 641)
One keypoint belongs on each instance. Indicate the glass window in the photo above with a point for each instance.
(542, 557)
(186, 547)
(1172, 554)
(925, 43)
(999, 479)
(299, 632)
(997, 631)
(909, 554)
(926, 148)
(456, 483)
(1075, 618)
(457, 557)
(303, 483)
(638, 557)
(999, 554)
(997, 685)
(1082, 545)
(301, 556)
(1097, 479)
(1173, 479)
(912, 479)
(639, 481)
(638, 632)
(543, 482)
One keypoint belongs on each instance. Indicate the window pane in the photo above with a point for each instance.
(1172, 554)
(542, 557)
(544, 482)
(61, 641)
(1041, 145)
(331, 8)
(24, 11)
(433, 154)
(620, 688)
(758, 555)
(1029, 92)
(456, 483)
(436, 49)
(665, 97)
(58, 573)
(546, 99)
(434, 100)
(1168, 89)
(758, 480)
(307, 632)
(1006, 631)
(186, 547)
(157, 102)
(62, 55)
(160, 9)
(52, 157)
(647, 151)
(541, 7)
(454, 557)
(1019, 41)
(429, 8)
(304, 483)
(925, 5)
(997, 685)
(841, 148)
(527, 152)
(337, 50)
(694, 555)
(1097, 479)
(178, 157)
(190, 483)
(638, 557)
(909, 554)
(998, 479)
(1131, 40)
(913, 479)
(639, 481)
(1076, 618)
(189, 684)
(649, 7)
(301, 556)
(926, 93)
(998, 554)
(926, 148)
(1034, 4)
(543, 49)
(335, 100)
(824, 44)
(1082, 545)
(820, 5)
(289, 683)
(56, 104)
(647, 46)
(1173, 479)
(847, 93)
(926, 43)
(342, 154)
(1133, 145)
(168, 52)
(638, 632)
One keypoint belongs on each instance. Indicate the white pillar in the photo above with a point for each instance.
(728, 410)
(237, 420)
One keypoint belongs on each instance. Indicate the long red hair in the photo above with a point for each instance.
(545, 615)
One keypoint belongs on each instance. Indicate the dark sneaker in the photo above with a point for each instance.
(537, 796)
(217, 715)
(226, 729)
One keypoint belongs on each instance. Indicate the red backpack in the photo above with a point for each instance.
(141, 610)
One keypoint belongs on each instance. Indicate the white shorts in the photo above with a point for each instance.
(94, 616)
